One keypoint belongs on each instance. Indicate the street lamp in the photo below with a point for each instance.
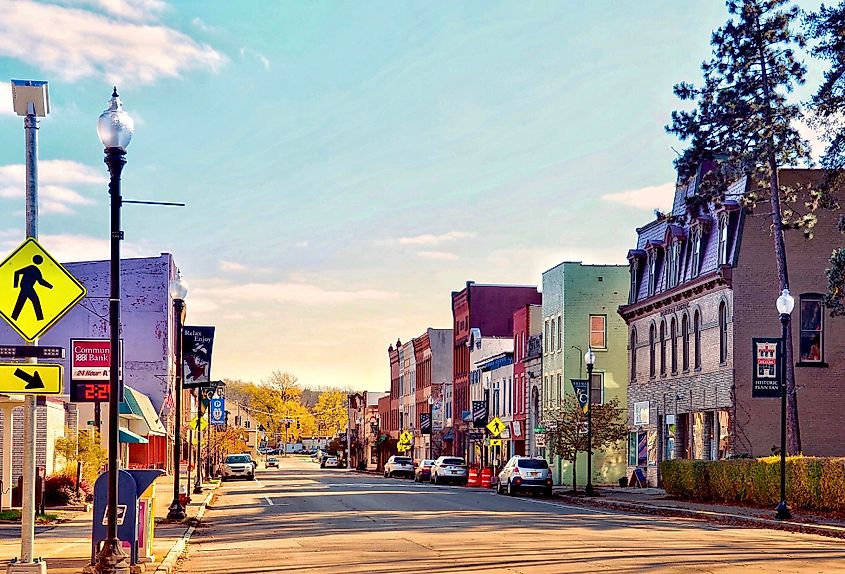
(178, 291)
(198, 479)
(589, 360)
(115, 129)
(785, 303)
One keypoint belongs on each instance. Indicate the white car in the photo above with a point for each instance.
(330, 462)
(399, 465)
(449, 469)
(238, 466)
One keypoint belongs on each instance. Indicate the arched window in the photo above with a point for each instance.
(723, 332)
(634, 354)
(651, 366)
(685, 341)
(662, 347)
(673, 333)
(696, 327)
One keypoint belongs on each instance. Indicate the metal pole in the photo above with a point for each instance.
(198, 480)
(176, 511)
(782, 509)
(30, 123)
(190, 458)
(589, 489)
(112, 558)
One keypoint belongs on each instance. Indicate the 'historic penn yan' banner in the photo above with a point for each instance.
(197, 343)
(766, 380)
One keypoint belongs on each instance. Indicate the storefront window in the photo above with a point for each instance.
(669, 448)
(698, 436)
(724, 439)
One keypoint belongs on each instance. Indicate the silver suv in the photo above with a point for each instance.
(525, 473)
(449, 468)
(238, 466)
(397, 465)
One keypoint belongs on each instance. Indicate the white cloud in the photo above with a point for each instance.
(135, 10)
(429, 239)
(200, 25)
(72, 247)
(212, 295)
(257, 55)
(441, 255)
(55, 178)
(302, 244)
(74, 43)
(651, 197)
(6, 99)
(224, 265)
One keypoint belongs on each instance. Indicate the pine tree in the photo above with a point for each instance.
(743, 119)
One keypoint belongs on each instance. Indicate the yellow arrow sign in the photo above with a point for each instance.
(496, 426)
(35, 290)
(495, 442)
(29, 379)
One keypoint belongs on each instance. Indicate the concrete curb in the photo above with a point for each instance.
(827, 530)
(173, 555)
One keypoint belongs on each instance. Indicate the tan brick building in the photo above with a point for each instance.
(703, 284)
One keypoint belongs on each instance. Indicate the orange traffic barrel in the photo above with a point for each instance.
(486, 474)
(472, 478)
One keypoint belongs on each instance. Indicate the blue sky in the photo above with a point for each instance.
(347, 165)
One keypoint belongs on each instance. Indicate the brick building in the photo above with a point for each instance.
(527, 323)
(703, 284)
(433, 357)
(490, 309)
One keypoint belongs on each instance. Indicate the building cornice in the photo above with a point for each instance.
(684, 292)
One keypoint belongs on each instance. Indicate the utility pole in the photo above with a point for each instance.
(30, 100)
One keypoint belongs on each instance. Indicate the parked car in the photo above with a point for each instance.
(272, 462)
(330, 462)
(525, 473)
(449, 468)
(423, 470)
(399, 465)
(238, 466)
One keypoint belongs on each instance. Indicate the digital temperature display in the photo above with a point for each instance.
(89, 391)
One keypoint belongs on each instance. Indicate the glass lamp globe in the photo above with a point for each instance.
(590, 357)
(115, 127)
(178, 287)
(785, 303)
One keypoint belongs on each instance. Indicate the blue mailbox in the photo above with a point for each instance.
(131, 484)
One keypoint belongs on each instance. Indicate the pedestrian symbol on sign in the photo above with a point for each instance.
(26, 279)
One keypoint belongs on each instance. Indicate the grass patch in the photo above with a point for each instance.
(15, 515)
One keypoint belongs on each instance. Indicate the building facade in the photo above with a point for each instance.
(579, 312)
(527, 323)
(433, 357)
(703, 284)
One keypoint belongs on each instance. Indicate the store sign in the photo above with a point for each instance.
(90, 369)
(641, 413)
(540, 440)
(767, 371)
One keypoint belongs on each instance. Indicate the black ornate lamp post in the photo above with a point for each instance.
(589, 360)
(785, 303)
(115, 129)
(178, 291)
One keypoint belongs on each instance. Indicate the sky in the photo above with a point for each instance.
(347, 165)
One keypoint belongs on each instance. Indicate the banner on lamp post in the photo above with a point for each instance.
(766, 376)
(197, 343)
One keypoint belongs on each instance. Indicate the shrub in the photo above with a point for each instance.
(60, 489)
(811, 483)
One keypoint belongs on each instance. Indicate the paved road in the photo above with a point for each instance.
(303, 519)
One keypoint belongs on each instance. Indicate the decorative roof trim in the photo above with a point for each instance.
(685, 291)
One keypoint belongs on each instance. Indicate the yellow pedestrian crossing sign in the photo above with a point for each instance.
(406, 437)
(496, 426)
(35, 290)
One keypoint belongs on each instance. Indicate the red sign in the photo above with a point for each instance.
(90, 359)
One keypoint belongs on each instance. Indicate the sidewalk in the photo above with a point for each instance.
(655, 501)
(67, 546)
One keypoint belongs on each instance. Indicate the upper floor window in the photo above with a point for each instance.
(695, 261)
(673, 334)
(632, 296)
(634, 354)
(723, 332)
(696, 329)
(652, 271)
(723, 239)
(552, 342)
(685, 341)
(598, 331)
(662, 347)
(811, 342)
(597, 388)
(651, 366)
(559, 333)
(546, 337)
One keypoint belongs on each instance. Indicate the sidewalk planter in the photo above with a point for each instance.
(811, 483)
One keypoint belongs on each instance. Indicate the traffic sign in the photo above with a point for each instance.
(203, 423)
(496, 426)
(30, 379)
(406, 437)
(218, 412)
(495, 442)
(35, 290)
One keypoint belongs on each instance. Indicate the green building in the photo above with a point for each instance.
(580, 310)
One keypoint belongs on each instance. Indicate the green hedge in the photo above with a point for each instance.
(811, 483)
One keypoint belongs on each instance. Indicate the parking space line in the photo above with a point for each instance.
(270, 502)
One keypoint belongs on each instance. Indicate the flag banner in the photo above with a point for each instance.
(197, 343)
(479, 413)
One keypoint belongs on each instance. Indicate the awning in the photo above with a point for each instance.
(128, 436)
(140, 408)
(449, 435)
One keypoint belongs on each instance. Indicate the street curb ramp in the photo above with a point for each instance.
(173, 555)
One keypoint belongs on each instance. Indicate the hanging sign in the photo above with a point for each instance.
(582, 393)
(197, 343)
(765, 382)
